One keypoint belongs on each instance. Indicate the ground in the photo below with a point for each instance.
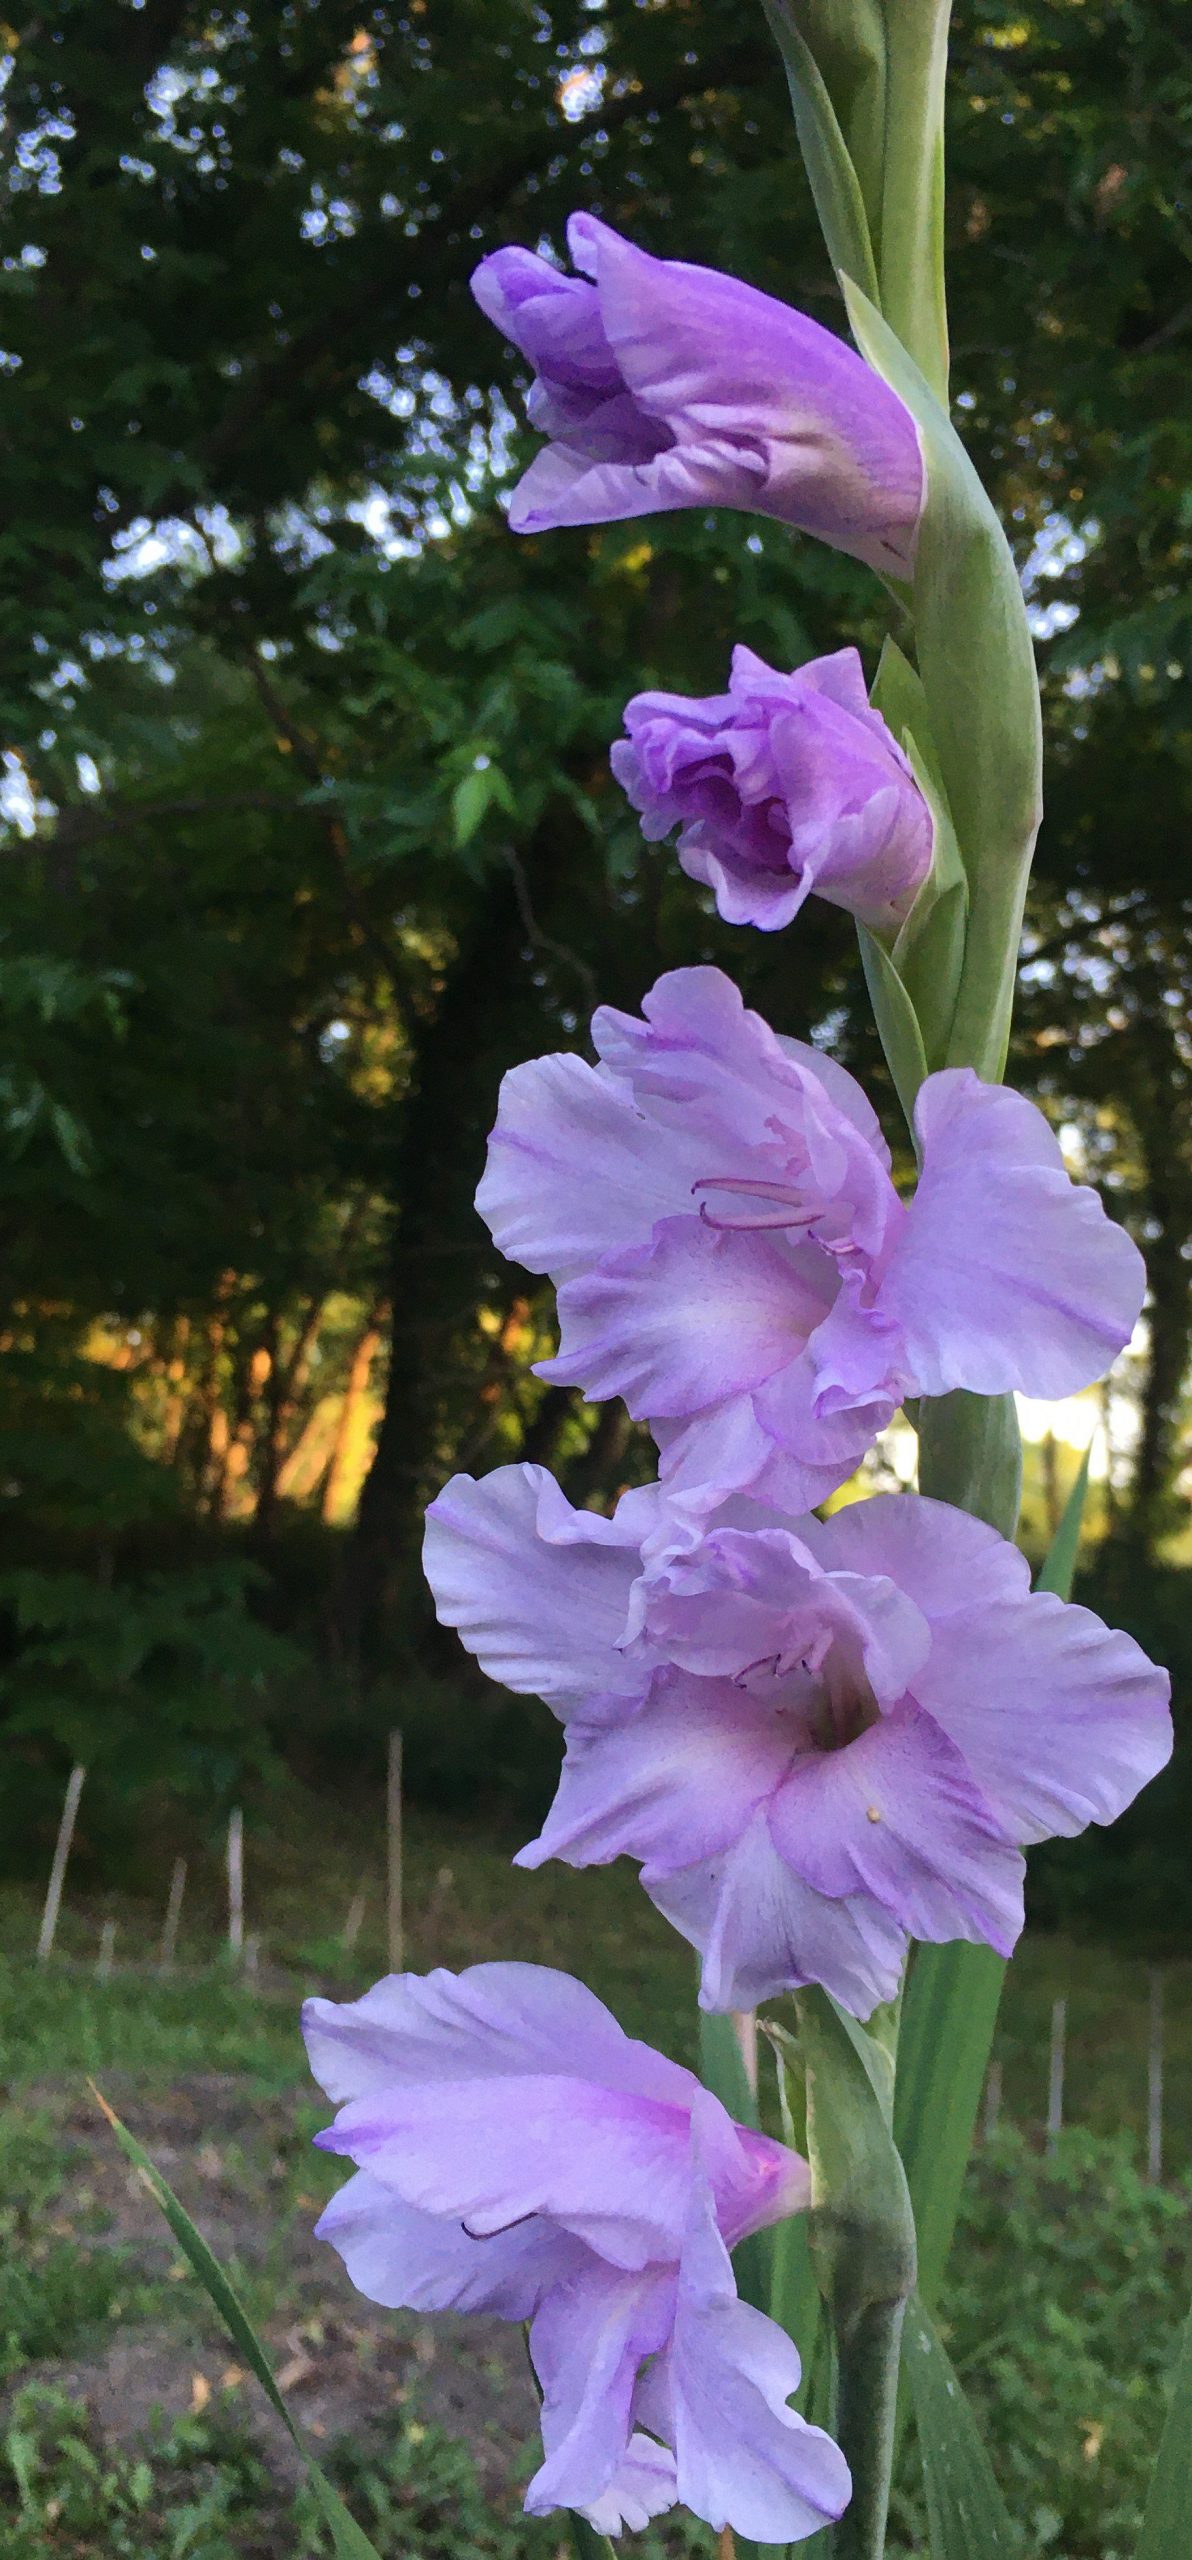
(130, 2426)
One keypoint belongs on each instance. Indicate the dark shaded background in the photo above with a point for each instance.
(310, 831)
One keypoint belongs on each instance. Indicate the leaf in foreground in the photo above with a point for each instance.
(350, 2542)
(1164, 2533)
(967, 2517)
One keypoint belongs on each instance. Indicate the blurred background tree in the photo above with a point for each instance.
(309, 833)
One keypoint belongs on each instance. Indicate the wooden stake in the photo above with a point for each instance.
(354, 1922)
(432, 1918)
(49, 1917)
(236, 1884)
(107, 1951)
(252, 1955)
(1055, 2079)
(993, 2100)
(169, 1926)
(1154, 2083)
(396, 1933)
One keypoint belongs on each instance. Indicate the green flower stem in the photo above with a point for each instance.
(911, 231)
(868, 2355)
(976, 665)
(970, 1454)
(867, 79)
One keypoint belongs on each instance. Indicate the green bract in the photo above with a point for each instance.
(867, 82)
(977, 667)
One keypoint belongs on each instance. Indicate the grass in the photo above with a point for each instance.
(199, 2490)
(210, 2069)
(463, 1904)
(124, 2427)
(54, 2292)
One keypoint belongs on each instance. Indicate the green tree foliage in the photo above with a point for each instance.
(309, 826)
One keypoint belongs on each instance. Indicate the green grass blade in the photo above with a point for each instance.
(967, 2517)
(1164, 2533)
(350, 2542)
(1058, 1571)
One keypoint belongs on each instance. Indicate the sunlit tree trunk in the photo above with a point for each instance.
(174, 1414)
(349, 1425)
(1169, 1317)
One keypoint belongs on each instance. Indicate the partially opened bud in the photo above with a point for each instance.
(662, 385)
(785, 785)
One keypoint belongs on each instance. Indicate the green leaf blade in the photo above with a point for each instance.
(948, 2018)
(967, 2517)
(794, 2301)
(897, 1021)
(835, 184)
(1164, 2533)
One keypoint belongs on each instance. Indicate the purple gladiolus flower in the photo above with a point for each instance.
(662, 385)
(517, 2153)
(820, 1738)
(732, 1258)
(782, 785)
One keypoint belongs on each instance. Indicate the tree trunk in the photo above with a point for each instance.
(595, 1478)
(1169, 1317)
(1155, 1086)
(348, 1423)
(490, 1013)
(544, 1433)
(268, 1450)
(234, 1434)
